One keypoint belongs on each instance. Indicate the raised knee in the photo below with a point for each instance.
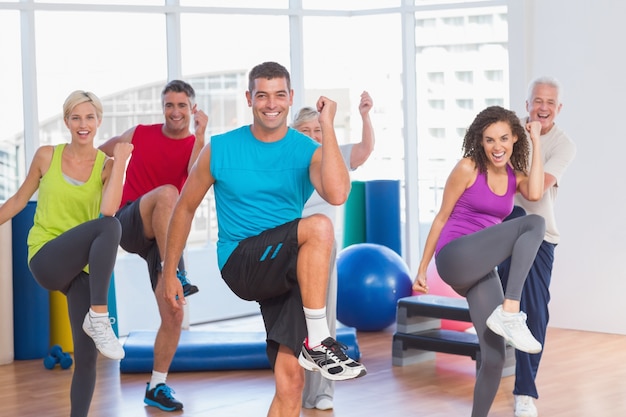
(112, 224)
(322, 227)
(167, 194)
(538, 223)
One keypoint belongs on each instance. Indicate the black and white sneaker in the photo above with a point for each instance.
(330, 359)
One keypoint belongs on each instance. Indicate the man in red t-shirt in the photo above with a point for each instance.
(162, 158)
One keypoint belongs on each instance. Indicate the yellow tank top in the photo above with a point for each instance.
(61, 205)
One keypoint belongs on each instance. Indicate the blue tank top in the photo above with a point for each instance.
(478, 208)
(258, 185)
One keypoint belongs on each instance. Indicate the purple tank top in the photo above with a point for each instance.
(478, 208)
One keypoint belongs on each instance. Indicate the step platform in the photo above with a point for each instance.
(419, 335)
(213, 350)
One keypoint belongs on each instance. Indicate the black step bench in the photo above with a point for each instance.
(419, 335)
(445, 341)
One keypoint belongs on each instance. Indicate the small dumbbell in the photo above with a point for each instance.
(56, 355)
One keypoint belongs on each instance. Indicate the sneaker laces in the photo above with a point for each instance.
(518, 321)
(182, 277)
(166, 390)
(101, 330)
(335, 349)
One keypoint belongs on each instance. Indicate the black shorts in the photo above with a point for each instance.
(134, 240)
(263, 268)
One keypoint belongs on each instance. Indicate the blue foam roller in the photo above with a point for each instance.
(213, 350)
(382, 214)
(31, 302)
(354, 215)
(112, 302)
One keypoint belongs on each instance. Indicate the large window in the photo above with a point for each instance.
(11, 106)
(461, 60)
(217, 53)
(100, 52)
(349, 5)
(124, 51)
(366, 56)
(278, 4)
(231, 45)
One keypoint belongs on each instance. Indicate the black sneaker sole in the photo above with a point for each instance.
(160, 406)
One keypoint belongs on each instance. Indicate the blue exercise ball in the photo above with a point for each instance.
(370, 280)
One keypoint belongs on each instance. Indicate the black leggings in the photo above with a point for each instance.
(58, 265)
(468, 265)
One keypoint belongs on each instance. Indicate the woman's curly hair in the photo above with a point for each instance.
(472, 143)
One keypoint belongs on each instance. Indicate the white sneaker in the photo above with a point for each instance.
(324, 403)
(525, 406)
(100, 330)
(512, 327)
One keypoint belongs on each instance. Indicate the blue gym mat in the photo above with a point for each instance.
(213, 350)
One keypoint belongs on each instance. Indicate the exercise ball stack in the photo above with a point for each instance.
(371, 279)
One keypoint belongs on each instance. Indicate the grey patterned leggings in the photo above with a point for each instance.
(468, 265)
(58, 265)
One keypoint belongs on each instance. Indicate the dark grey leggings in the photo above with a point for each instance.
(58, 265)
(468, 265)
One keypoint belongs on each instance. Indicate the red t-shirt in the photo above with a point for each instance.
(156, 160)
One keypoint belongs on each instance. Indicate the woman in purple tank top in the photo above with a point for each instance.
(468, 238)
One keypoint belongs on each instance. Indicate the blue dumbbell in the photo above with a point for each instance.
(56, 355)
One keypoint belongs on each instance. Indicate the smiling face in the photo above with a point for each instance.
(497, 143)
(543, 106)
(270, 101)
(178, 112)
(312, 129)
(83, 122)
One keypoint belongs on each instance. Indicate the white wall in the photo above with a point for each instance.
(136, 306)
(581, 43)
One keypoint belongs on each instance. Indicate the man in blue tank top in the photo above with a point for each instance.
(262, 176)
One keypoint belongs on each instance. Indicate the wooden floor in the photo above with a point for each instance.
(583, 374)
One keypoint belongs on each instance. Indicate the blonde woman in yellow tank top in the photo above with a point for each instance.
(73, 243)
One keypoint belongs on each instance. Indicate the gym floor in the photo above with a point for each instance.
(582, 374)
